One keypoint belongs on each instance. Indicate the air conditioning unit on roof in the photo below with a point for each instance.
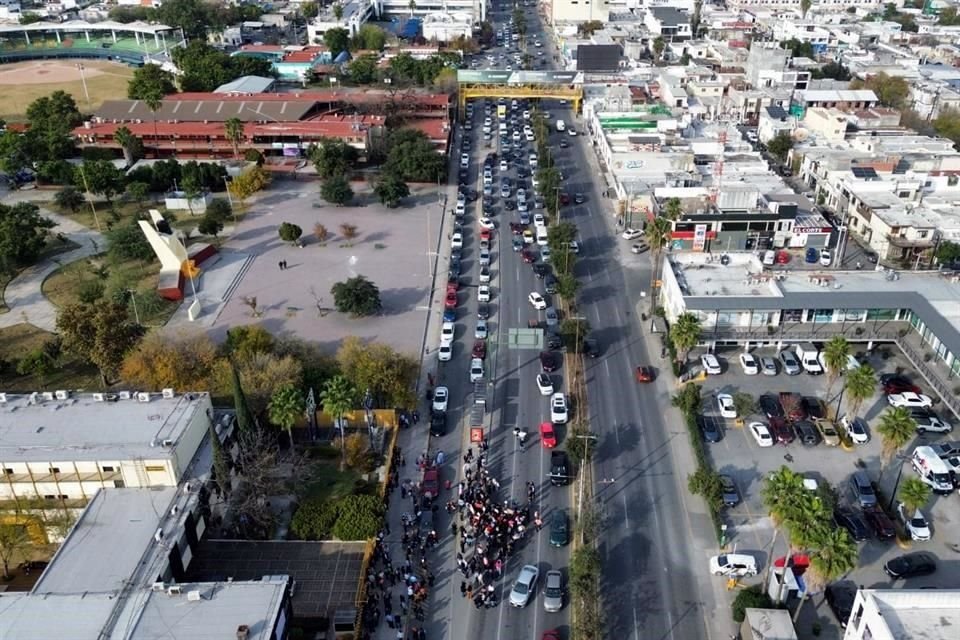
(143, 397)
(168, 393)
(61, 394)
(124, 395)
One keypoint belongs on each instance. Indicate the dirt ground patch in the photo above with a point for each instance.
(37, 78)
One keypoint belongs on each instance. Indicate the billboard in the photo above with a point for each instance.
(466, 76)
(598, 58)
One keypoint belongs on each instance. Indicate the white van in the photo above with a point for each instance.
(932, 470)
(542, 236)
(561, 126)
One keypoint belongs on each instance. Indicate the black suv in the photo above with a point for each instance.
(559, 469)
(438, 423)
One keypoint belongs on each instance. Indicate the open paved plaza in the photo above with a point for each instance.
(391, 249)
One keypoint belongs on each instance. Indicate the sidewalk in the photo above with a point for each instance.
(23, 296)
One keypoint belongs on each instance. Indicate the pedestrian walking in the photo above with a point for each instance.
(280, 265)
(389, 619)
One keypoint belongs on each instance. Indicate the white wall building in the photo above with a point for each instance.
(446, 26)
(817, 6)
(576, 11)
(887, 614)
(401, 8)
(65, 447)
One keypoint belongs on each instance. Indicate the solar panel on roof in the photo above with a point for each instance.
(864, 172)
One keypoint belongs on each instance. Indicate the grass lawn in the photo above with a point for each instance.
(117, 213)
(24, 338)
(54, 247)
(328, 482)
(107, 86)
(64, 285)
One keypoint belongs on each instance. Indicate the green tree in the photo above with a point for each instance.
(138, 192)
(780, 146)
(233, 128)
(781, 491)
(657, 233)
(338, 397)
(752, 597)
(333, 157)
(309, 10)
(892, 91)
(285, 408)
(209, 225)
(14, 541)
(150, 80)
(69, 198)
(249, 183)
(391, 189)
(559, 237)
(860, 385)
(688, 400)
(192, 16)
(289, 232)
(658, 46)
(129, 144)
(103, 178)
(914, 493)
(15, 154)
(685, 334)
(36, 363)
(371, 38)
(357, 296)
(805, 7)
(246, 423)
(835, 555)
(219, 209)
(51, 121)
(221, 464)
(101, 334)
(831, 70)
(673, 209)
(204, 67)
(23, 235)
(363, 69)
(127, 242)
(947, 125)
(574, 331)
(798, 48)
(412, 157)
(896, 428)
(744, 404)
(705, 482)
(948, 252)
(338, 11)
(835, 355)
(336, 40)
(336, 189)
(587, 29)
(567, 286)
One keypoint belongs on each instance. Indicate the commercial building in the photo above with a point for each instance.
(888, 614)
(192, 125)
(576, 11)
(740, 302)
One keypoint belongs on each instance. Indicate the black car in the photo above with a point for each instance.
(438, 423)
(770, 406)
(731, 496)
(840, 597)
(456, 253)
(881, 523)
(813, 407)
(853, 523)
(550, 283)
(552, 340)
(563, 143)
(911, 565)
(590, 348)
(483, 311)
(541, 270)
(807, 433)
(548, 361)
(508, 205)
(559, 468)
(710, 428)
(578, 198)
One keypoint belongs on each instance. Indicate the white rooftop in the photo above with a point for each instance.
(703, 274)
(81, 428)
(108, 542)
(931, 614)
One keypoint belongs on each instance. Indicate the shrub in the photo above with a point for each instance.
(314, 519)
(90, 291)
(358, 452)
(360, 518)
(750, 598)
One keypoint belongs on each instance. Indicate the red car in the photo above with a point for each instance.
(564, 199)
(480, 349)
(450, 302)
(453, 285)
(516, 228)
(431, 482)
(551, 635)
(485, 234)
(644, 374)
(782, 431)
(548, 437)
(782, 257)
(547, 362)
(892, 383)
(527, 256)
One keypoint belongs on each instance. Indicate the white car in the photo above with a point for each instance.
(631, 234)
(441, 395)
(534, 180)
(461, 209)
(484, 257)
(504, 166)
(484, 275)
(521, 194)
(558, 409)
(856, 428)
(480, 333)
(483, 293)
(487, 223)
(825, 258)
(537, 301)
(526, 115)
(749, 364)
(525, 586)
(456, 240)
(761, 434)
(476, 369)
(571, 132)
(545, 384)
(529, 136)
(445, 353)
(447, 330)
(539, 220)
(725, 404)
(710, 364)
(533, 160)
(916, 526)
(464, 160)
(734, 565)
(909, 399)
(522, 206)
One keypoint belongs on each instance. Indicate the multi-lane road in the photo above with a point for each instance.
(649, 586)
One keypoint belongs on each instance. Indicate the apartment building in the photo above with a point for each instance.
(817, 6)
(576, 11)
(890, 614)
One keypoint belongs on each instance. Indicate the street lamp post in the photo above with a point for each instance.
(83, 80)
(586, 458)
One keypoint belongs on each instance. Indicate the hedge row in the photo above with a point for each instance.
(353, 517)
(703, 466)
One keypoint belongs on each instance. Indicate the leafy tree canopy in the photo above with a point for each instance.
(150, 80)
(798, 49)
(337, 40)
(831, 70)
(101, 333)
(205, 67)
(947, 124)
(357, 296)
(23, 234)
(413, 158)
(370, 37)
(892, 91)
(780, 145)
(336, 190)
(333, 157)
(391, 190)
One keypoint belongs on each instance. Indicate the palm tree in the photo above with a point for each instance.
(860, 386)
(338, 397)
(835, 355)
(657, 233)
(897, 427)
(413, 7)
(914, 494)
(672, 209)
(781, 490)
(154, 100)
(836, 555)
(234, 131)
(685, 334)
(805, 7)
(806, 521)
(125, 138)
(338, 11)
(286, 405)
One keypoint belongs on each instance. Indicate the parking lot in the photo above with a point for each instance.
(738, 455)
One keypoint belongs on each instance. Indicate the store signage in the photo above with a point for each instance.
(635, 164)
(699, 237)
(467, 76)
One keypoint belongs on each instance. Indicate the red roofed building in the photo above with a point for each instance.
(193, 125)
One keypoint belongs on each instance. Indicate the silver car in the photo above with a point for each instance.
(553, 592)
(551, 317)
(791, 366)
(525, 586)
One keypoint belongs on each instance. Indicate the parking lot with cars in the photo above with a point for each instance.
(790, 424)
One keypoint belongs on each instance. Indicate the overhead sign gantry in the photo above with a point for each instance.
(560, 85)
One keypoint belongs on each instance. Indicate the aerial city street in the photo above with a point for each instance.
(485, 319)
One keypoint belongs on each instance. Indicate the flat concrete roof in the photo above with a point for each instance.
(105, 547)
(918, 613)
(703, 275)
(327, 573)
(81, 428)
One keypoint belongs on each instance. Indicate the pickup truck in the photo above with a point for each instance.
(807, 355)
(559, 468)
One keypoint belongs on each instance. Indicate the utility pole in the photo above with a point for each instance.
(93, 208)
(586, 460)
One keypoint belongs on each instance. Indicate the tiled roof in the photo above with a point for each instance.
(359, 96)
